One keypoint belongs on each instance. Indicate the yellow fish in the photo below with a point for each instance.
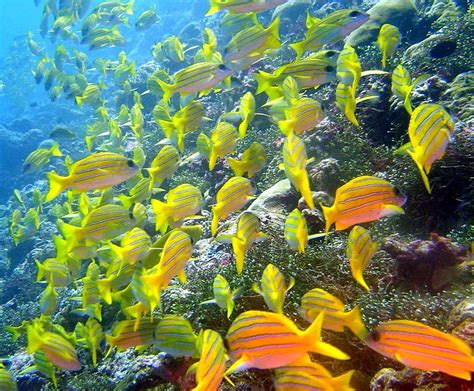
(164, 165)
(303, 115)
(231, 197)
(223, 295)
(242, 6)
(247, 112)
(175, 336)
(90, 336)
(134, 246)
(402, 85)
(124, 335)
(431, 129)
(266, 340)
(388, 40)
(361, 200)
(248, 232)
(7, 381)
(182, 202)
(273, 288)
(360, 250)
(39, 158)
(316, 301)
(188, 119)
(294, 164)
(100, 170)
(177, 251)
(223, 140)
(252, 161)
(210, 368)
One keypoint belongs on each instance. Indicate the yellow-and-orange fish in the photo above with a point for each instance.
(265, 340)
(361, 200)
(420, 346)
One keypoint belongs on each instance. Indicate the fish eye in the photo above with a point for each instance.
(331, 53)
(222, 67)
(330, 68)
(26, 167)
(226, 344)
(132, 217)
(130, 163)
(226, 50)
(374, 335)
(353, 14)
(397, 191)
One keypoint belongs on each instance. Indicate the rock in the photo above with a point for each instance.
(410, 379)
(303, 4)
(461, 321)
(21, 125)
(401, 13)
(425, 263)
(460, 97)
(324, 175)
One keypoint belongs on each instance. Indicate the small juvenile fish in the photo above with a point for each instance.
(348, 68)
(54, 271)
(210, 368)
(303, 115)
(90, 96)
(188, 119)
(223, 295)
(39, 158)
(90, 336)
(247, 112)
(360, 250)
(273, 288)
(196, 78)
(171, 49)
(223, 140)
(431, 129)
(266, 340)
(182, 202)
(248, 232)
(164, 165)
(361, 200)
(388, 40)
(252, 161)
(242, 6)
(48, 301)
(316, 301)
(417, 345)
(177, 251)
(138, 193)
(231, 197)
(134, 246)
(203, 145)
(294, 164)
(90, 297)
(57, 349)
(100, 170)
(7, 381)
(175, 336)
(402, 85)
(103, 223)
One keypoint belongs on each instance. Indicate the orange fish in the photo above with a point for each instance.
(361, 200)
(420, 346)
(265, 340)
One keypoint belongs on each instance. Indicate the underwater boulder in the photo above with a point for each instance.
(460, 97)
(400, 13)
(461, 321)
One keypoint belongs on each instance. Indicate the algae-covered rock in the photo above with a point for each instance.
(461, 321)
(401, 13)
(460, 97)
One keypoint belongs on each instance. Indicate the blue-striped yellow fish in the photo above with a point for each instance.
(360, 250)
(210, 368)
(330, 30)
(252, 40)
(265, 340)
(252, 161)
(7, 382)
(138, 193)
(177, 251)
(97, 171)
(316, 301)
(203, 145)
(182, 202)
(55, 271)
(58, 350)
(361, 200)
(248, 232)
(348, 67)
(175, 336)
(90, 297)
(247, 112)
(90, 336)
(48, 300)
(402, 85)
(134, 246)
(242, 6)
(223, 295)
(200, 77)
(294, 164)
(39, 158)
(315, 370)
(388, 40)
(223, 140)
(299, 380)
(102, 223)
(431, 129)
(417, 345)
(188, 119)
(303, 115)
(125, 336)
(231, 197)
(164, 165)
(273, 288)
